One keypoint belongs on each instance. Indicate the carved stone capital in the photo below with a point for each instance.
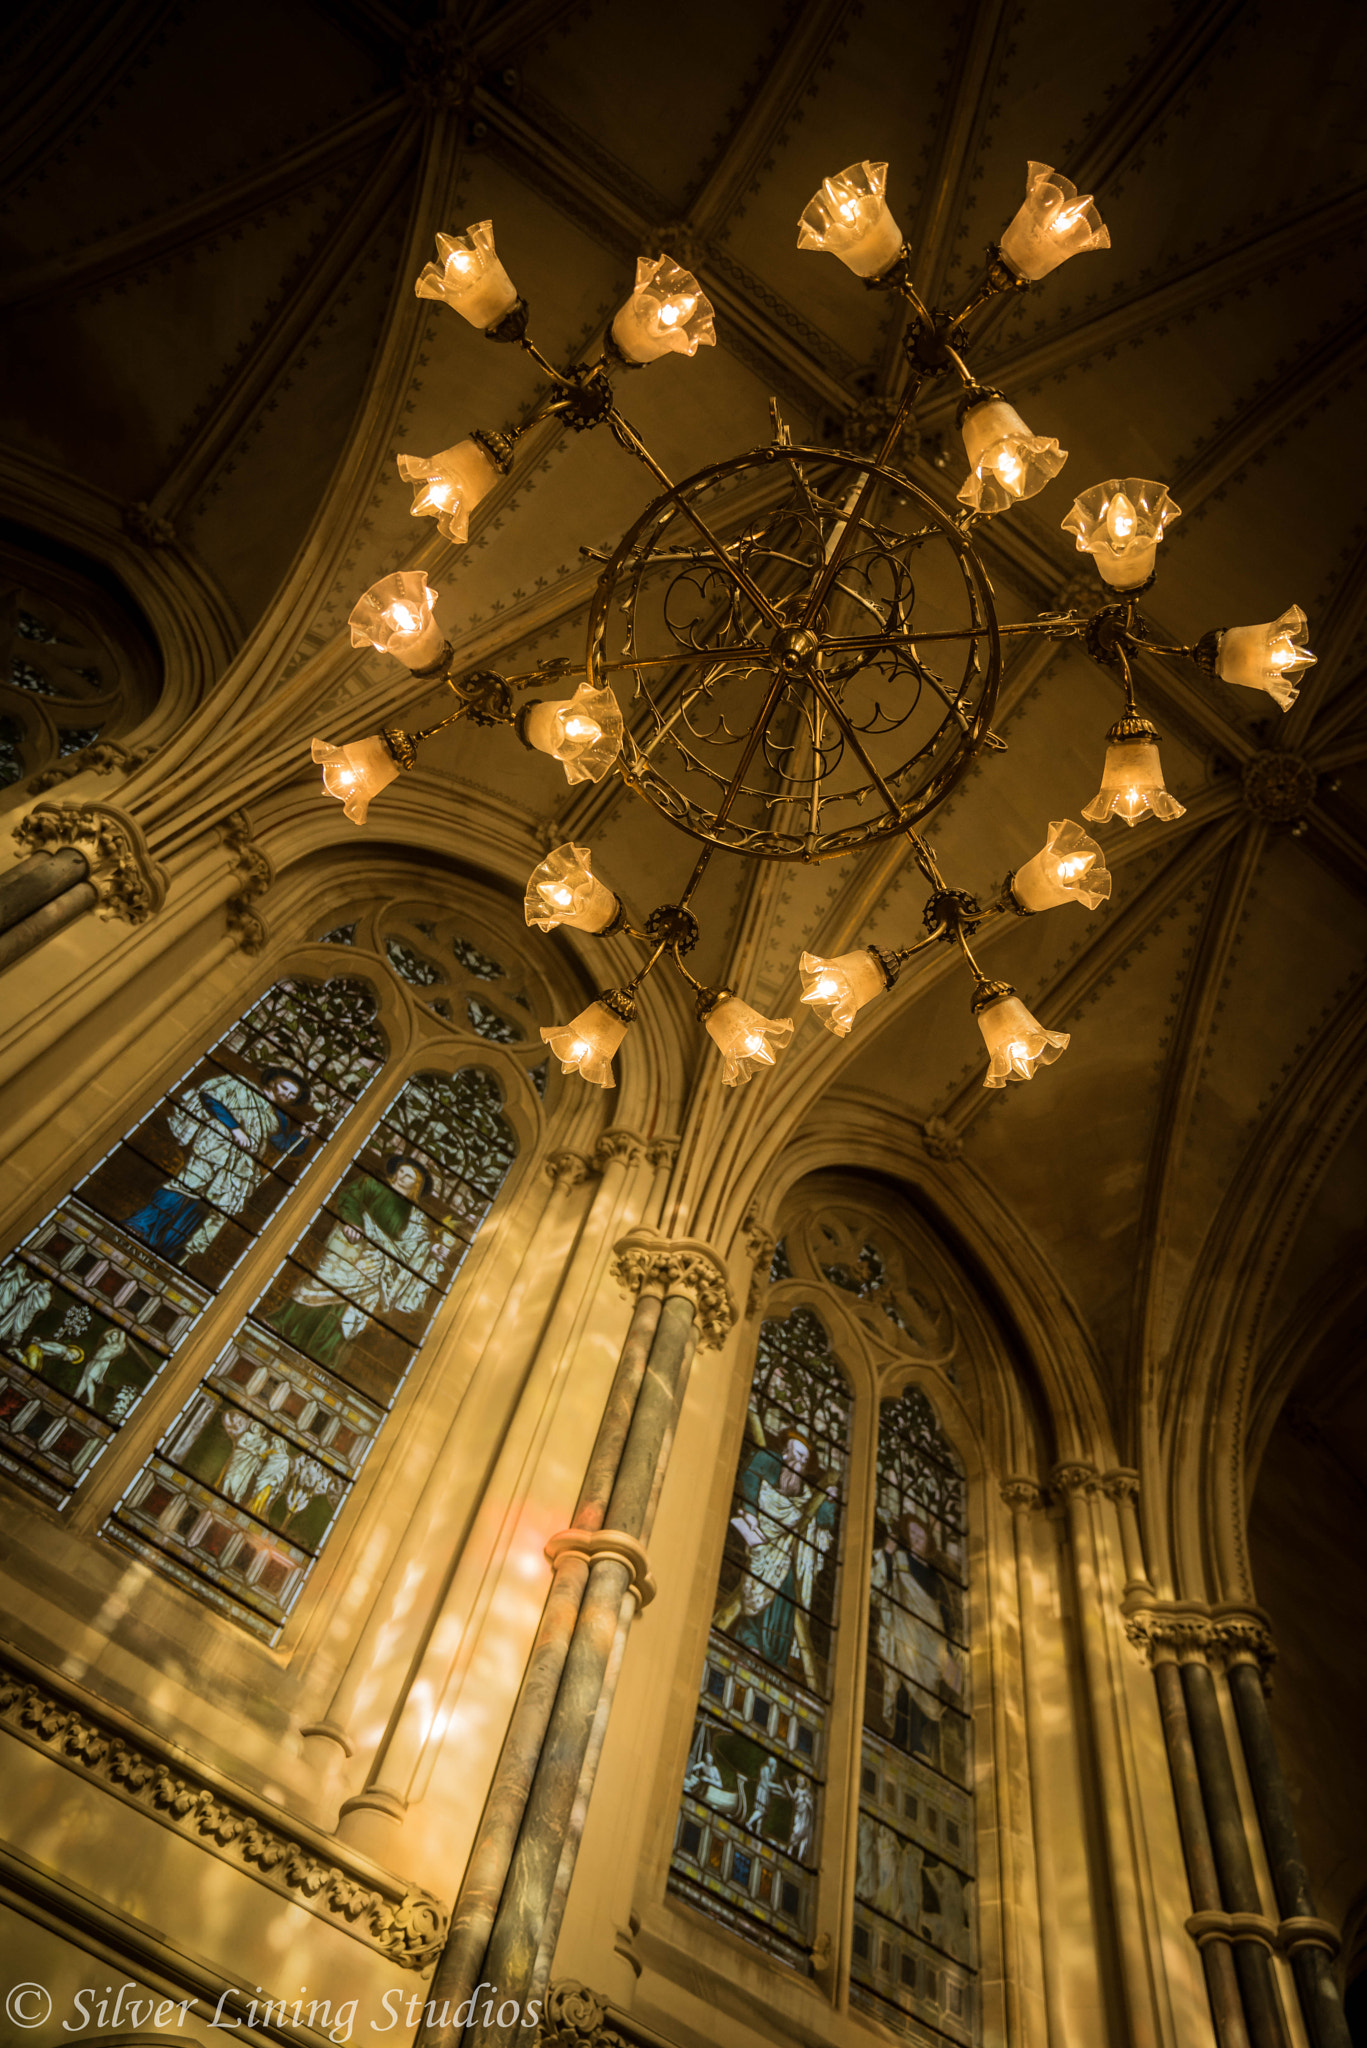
(566, 1169)
(662, 1152)
(1120, 1485)
(1023, 1495)
(1189, 1632)
(594, 1544)
(1172, 1638)
(576, 2017)
(1075, 1481)
(303, 1866)
(619, 1148)
(1245, 1639)
(683, 1265)
(128, 882)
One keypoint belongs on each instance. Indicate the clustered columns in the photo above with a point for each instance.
(507, 1916)
(1191, 1648)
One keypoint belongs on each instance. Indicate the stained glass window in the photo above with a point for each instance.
(102, 1293)
(489, 1024)
(69, 655)
(914, 1918)
(477, 963)
(240, 1495)
(748, 1833)
(412, 966)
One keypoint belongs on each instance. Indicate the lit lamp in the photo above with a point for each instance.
(469, 278)
(1119, 524)
(583, 732)
(1006, 461)
(843, 985)
(448, 486)
(1266, 657)
(587, 1043)
(849, 218)
(1052, 225)
(563, 890)
(360, 771)
(668, 313)
(742, 1037)
(1132, 779)
(395, 617)
(1069, 868)
(1015, 1041)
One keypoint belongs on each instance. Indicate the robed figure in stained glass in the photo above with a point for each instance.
(231, 1132)
(382, 1256)
(787, 1526)
(911, 1628)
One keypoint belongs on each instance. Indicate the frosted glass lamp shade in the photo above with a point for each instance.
(849, 218)
(1007, 463)
(583, 732)
(1119, 524)
(564, 890)
(469, 278)
(1267, 657)
(448, 486)
(586, 1044)
(1015, 1042)
(356, 773)
(668, 313)
(743, 1039)
(1132, 785)
(1053, 224)
(395, 617)
(840, 988)
(1069, 868)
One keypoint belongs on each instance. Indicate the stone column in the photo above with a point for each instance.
(1252, 1934)
(39, 896)
(529, 1817)
(1024, 1498)
(1310, 1942)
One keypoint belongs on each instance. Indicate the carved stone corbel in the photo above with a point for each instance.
(576, 2017)
(128, 883)
(761, 1244)
(684, 1266)
(255, 875)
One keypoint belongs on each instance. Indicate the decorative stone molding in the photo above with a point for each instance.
(153, 529)
(576, 2017)
(106, 757)
(1283, 1937)
(1279, 788)
(566, 1170)
(594, 1544)
(1071, 1481)
(619, 1148)
(404, 1924)
(761, 1245)
(1023, 1495)
(255, 874)
(940, 1139)
(128, 882)
(684, 1266)
(662, 1152)
(1188, 1631)
(437, 72)
(1121, 1485)
(1171, 1638)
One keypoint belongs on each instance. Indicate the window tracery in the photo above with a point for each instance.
(71, 673)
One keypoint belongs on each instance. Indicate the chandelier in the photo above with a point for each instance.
(808, 639)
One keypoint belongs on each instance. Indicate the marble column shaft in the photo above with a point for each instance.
(1222, 1983)
(1233, 1863)
(527, 1895)
(18, 940)
(472, 1920)
(37, 881)
(1315, 1983)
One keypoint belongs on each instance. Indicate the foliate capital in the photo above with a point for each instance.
(1074, 1480)
(619, 1148)
(129, 884)
(1023, 1494)
(678, 1266)
(1121, 1485)
(566, 1170)
(576, 2017)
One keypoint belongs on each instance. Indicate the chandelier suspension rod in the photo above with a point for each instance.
(925, 859)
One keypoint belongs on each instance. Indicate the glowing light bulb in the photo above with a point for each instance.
(579, 1049)
(754, 1043)
(1009, 466)
(1120, 517)
(1067, 869)
(1068, 216)
(562, 898)
(1018, 1053)
(826, 989)
(1282, 657)
(582, 729)
(402, 619)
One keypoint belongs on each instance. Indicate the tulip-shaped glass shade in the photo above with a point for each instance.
(586, 1044)
(583, 732)
(356, 773)
(448, 486)
(1052, 225)
(1006, 461)
(395, 617)
(1016, 1043)
(668, 313)
(1119, 524)
(841, 986)
(1069, 868)
(1132, 784)
(469, 277)
(743, 1037)
(849, 218)
(564, 890)
(1267, 657)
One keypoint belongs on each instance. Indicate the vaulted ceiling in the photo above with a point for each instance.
(212, 219)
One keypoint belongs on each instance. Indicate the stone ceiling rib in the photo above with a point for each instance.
(84, 267)
(1184, 1074)
(1333, 834)
(66, 70)
(299, 310)
(1331, 696)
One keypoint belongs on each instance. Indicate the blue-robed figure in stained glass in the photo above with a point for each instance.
(231, 1133)
(787, 1526)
